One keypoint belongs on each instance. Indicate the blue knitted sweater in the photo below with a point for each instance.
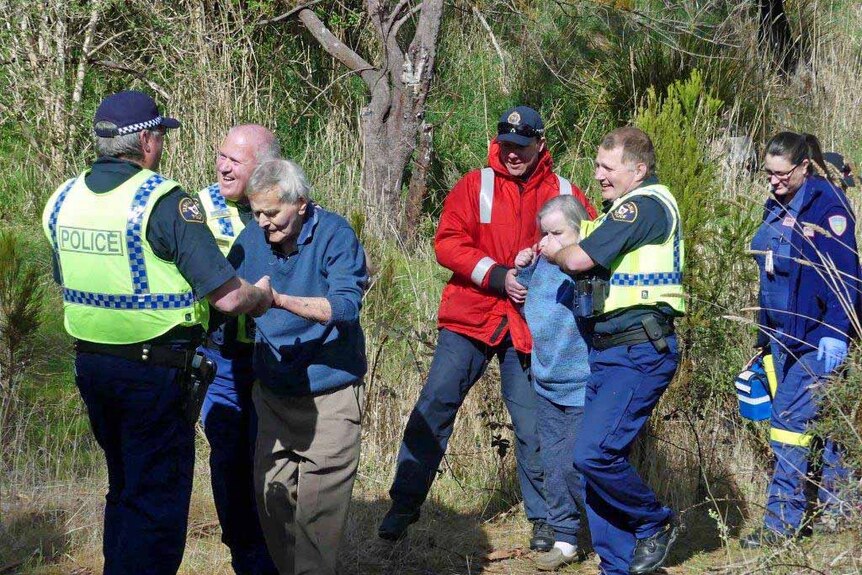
(559, 360)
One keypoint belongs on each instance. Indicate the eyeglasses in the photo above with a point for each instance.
(780, 175)
(526, 131)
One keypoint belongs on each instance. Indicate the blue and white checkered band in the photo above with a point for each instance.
(139, 126)
(225, 227)
(129, 301)
(656, 279)
(135, 235)
(52, 219)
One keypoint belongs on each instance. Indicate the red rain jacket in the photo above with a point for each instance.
(471, 249)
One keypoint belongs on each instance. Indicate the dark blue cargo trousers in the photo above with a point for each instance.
(626, 383)
(136, 414)
(458, 363)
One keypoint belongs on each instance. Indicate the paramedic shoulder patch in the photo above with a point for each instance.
(191, 211)
(628, 212)
(838, 224)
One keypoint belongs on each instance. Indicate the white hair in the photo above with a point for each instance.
(573, 211)
(285, 175)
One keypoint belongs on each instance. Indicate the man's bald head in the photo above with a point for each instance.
(243, 149)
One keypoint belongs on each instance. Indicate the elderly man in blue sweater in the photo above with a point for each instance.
(309, 357)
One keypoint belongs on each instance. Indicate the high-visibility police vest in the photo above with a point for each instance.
(222, 217)
(652, 273)
(486, 201)
(225, 224)
(116, 290)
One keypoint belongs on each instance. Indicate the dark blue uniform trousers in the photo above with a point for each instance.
(136, 415)
(794, 411)
(625, 384)
(230, 424)
(458, 363)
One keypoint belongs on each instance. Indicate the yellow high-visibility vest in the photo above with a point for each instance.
(222, 217)
(116, 290)
(225, 224)
(652, 273)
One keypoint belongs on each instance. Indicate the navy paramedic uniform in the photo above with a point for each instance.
(799, 305)
(228, 414)
(626, 382)
(135, 408)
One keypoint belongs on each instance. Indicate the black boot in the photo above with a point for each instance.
(395, 523)
(543, 537)
(651, 552)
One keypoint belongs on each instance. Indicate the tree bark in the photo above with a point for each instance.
(417, 191)
(392, 121)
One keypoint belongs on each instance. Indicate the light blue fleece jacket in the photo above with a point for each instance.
(559, 360)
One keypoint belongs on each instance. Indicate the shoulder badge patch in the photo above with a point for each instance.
(191, 212)
(628, 212)
(838, 224)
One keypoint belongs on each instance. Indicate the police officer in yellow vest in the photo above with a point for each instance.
(634, 252)
(228, 412)
(137, 265)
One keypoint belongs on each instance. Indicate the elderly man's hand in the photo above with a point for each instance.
(516, 292)
(265, 295)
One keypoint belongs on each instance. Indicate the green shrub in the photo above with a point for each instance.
(716, 231)
(21, 300)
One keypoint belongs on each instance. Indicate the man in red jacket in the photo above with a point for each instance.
(488, 217)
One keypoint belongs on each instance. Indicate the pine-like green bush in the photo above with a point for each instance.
(718, 273)
(21, 300)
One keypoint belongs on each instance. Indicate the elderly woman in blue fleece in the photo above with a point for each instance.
(560, 369)
(309, 357)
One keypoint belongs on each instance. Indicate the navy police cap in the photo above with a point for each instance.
(520, 125)
(129, 112)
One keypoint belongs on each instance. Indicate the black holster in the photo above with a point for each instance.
(590, 295)
(196, 379)
(656, 333)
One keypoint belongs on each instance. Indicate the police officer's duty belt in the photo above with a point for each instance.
(635, 336)
(157, 355)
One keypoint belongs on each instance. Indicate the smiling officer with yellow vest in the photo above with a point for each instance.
(228, 412)
(135, 261)
(635, 253)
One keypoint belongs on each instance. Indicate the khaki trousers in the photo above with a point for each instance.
(306, 456)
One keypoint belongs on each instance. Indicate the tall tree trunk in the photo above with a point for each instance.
(775, 37)
(393, 120)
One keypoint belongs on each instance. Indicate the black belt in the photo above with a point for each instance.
(602, 341)
(159, 355)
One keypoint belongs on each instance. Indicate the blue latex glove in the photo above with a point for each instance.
(832, 351)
